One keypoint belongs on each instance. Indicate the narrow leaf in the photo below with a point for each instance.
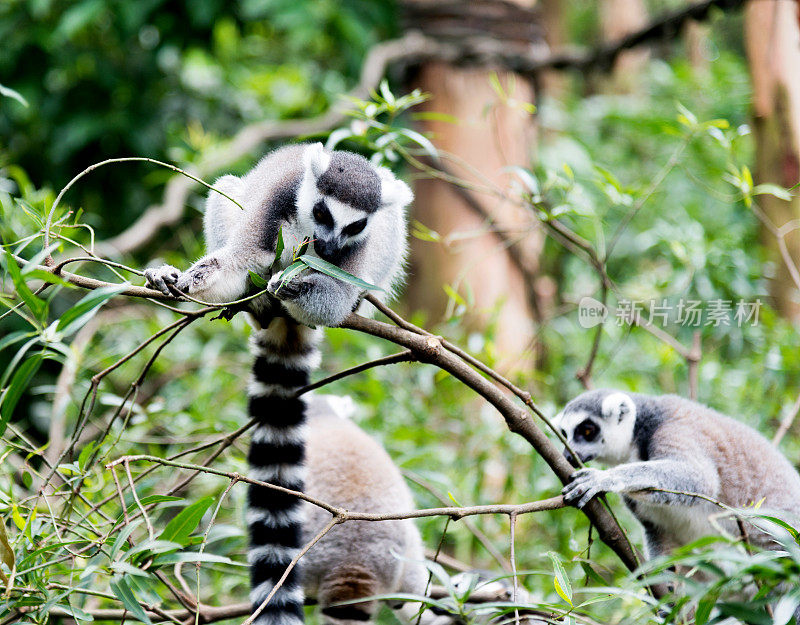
(19, 382)
(329, 269)
(8, 92)
(180, 528)
(37, 306)
(124, 593)
(279, 245)
(77, 316)
(561, 581)
(290, 272)
(6, 552)
(257, 280)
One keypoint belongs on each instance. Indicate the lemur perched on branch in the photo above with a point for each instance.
(352, 213)
(671, 443)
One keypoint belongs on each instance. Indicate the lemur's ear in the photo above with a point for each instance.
(618, 407)
(317, 159)
(393, 191)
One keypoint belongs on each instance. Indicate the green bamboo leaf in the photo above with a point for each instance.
(560, 580)
(8, 92)
(257, 280)
(329, 269)
(290, 272)
(37, 305)
(124, 593)
(279, 246)
(180, 528)
(86, 308)
(303, 248)
(192, 556)
(19, 382)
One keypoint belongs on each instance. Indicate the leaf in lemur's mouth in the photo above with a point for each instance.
(257, 280)
(333, 271)
(279, 245)
(290, 272)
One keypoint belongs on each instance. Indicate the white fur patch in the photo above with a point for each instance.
(280, 436)
(291, 473)
(295, 514)
(618, 406)
(283, 596)
(260, 389)
(272, 554)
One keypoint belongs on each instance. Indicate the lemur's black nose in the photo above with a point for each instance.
(328, 250)
(570, 458)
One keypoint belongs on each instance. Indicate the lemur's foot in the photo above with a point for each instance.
(585, 484)
(287, 290)
(161, 278)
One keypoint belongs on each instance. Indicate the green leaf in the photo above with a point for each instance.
(180, 528)
(124, 593)
(122, 536)
(8, 92)
(257, 280)
(561, 581)
(329, 269)
(19, 382)
(192, 556)
(279, 246)
(303, 248)
(6, 552)
(37, 306)
(773, 189)
(77, 316)
(290, 272)
(420, 140)
(45, 276)
(83, 457)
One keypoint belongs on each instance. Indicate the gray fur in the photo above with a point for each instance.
(672, 443)
(281, 191)
(346, 467)
(351, 180)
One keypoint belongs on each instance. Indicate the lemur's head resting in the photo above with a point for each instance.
(339, 194)
(599, 425)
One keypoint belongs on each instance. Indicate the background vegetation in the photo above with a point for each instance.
(172, 80)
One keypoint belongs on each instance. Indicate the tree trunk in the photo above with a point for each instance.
(772, 38)
(619, 18)
(492, 270)
(489, 136)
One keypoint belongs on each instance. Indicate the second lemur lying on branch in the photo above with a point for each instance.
(674, 444)
(351, 214)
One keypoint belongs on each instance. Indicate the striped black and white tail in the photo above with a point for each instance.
(285, 353)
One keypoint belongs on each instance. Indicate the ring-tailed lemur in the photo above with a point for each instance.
(354, 214)
(672, 443)
(357, 559)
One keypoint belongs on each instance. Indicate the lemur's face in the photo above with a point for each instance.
(598, 425)
(338, 197)
(337, 228)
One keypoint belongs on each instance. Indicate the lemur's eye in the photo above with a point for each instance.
(586, 431)
(322, 215)
(354, 228)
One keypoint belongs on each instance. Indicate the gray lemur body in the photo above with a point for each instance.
(672, 443)
(352, 211)
(347, 468)
(354, 215)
